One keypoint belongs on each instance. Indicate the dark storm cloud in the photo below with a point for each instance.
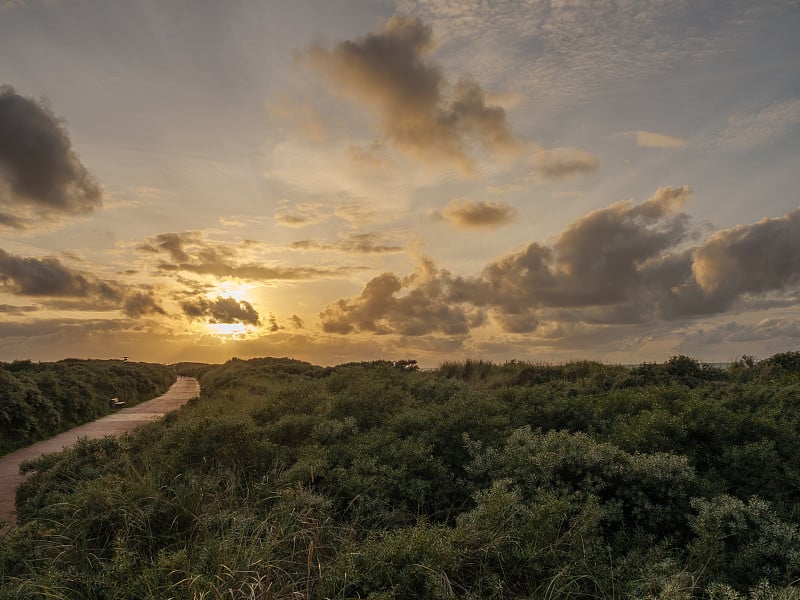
(421, 114)
(221, 310)
(40, 172)
(190, 252)
(620, 265)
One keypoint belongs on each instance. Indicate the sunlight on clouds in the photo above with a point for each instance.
(233, 289)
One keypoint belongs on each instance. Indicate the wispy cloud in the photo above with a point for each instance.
(191, 252)
(559, 163)
(354, 243)
(561, 52)
(760, 126)
(466, 214)
(651, 139)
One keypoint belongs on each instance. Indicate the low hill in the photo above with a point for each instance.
(475, 480)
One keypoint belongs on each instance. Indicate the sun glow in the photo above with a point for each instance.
(232, 289)
(229, 330)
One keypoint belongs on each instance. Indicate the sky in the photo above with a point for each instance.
(342, 180)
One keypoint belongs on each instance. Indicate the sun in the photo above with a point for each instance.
(229, 330)
(238, 330)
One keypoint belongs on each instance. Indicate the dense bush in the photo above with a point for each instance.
(377, 480)
(38, 400)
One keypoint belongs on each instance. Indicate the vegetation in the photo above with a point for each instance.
(377, 480)
(38, 400)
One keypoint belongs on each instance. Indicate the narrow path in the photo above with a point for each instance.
(118, 422)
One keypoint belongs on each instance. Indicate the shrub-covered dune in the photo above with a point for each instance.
(38, 400)
(375, 480)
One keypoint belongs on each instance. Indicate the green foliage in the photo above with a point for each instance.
(378, 480)
(38, 400)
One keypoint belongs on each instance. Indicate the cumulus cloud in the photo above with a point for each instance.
(221, 310)
(296, 322)
(41, 175)
(560, 163)
(465, 214)
(624, 264)
(421, 114)
(422, 308)
(748, 259)
(355, 243)
(191, 252)
(651, 139)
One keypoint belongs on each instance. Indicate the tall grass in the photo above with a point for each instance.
(286, 480)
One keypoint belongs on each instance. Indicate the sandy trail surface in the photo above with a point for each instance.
(120, 421)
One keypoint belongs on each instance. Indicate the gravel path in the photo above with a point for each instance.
(118, 422)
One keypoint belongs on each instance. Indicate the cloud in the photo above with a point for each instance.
(49, 277)
(296, 322)
(620, 265)
(421, 114)
(593, 262)
(191, 252)
(560, 163)
(651, 139)
(10, 221)
(561, 53)
(139, 304)
(422, 309)
(12, 4)
(273, 324)
(221, 310)
(355, 243)
(14, 310)
(61, 287)
(760, 126)
(765, 329)
(297, 217)
(748, 259)
(475, 215)
(41, 175)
